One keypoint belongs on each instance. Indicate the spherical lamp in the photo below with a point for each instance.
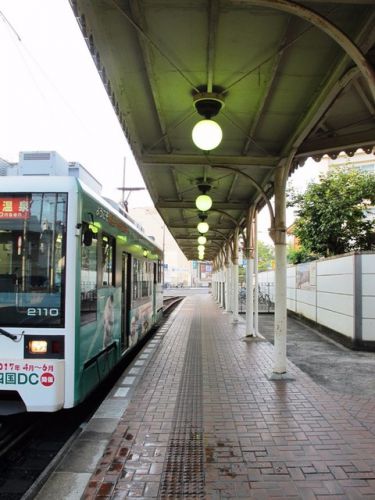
(202, 240)
(203, 202)
(203, 227)
(207, 135)
(200, 248)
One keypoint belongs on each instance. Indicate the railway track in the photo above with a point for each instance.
(13, 431)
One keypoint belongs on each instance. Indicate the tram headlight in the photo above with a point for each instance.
(38, 346)
(46, 347)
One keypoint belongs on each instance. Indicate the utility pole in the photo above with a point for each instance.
(125, 201)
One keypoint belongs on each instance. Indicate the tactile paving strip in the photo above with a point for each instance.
(183, 474)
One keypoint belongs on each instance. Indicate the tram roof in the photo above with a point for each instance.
(291, 80)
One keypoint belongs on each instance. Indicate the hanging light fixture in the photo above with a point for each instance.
(203, 227)
(203, 201)
(207, 134)
(202, 240)
(200, 248)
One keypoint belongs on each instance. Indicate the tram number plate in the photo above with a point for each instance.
(43, 311)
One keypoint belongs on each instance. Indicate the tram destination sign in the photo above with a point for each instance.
(14, 208)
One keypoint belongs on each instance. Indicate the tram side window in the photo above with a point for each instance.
(89, 276)
(144, 280)
(159, 271)
(137, 279)
(108, 267)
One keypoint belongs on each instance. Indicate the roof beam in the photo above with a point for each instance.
(230, 191)
(141, 22)
(194, 226)
(325, 25)
(342, 2)
(338, 143)
(369, 105)
(225, 205)
(213, 16)
(330, 91)
(188, 160)
(268, 89)
(318, 110)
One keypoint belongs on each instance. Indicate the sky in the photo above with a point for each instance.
(52, 99)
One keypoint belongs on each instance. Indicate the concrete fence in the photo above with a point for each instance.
(337, 293)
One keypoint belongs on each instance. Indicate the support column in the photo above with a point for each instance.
(249, 256)
(235, 275)
(256, 272)
(222, 287)
(227, 278)
(279, 236)
(249, 295)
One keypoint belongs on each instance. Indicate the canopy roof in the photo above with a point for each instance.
(296, 80)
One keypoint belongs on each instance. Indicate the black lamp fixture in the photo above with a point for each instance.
(207, 133)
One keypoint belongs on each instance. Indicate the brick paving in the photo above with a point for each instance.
(205, 422)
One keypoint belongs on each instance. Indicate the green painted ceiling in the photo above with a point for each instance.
(286, 84)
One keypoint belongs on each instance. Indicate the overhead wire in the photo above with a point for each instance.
(26, 61)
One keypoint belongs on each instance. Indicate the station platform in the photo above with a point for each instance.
(196, 416)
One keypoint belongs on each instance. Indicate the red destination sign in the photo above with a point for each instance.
(14, 208)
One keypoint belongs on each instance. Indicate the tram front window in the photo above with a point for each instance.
(32, 259)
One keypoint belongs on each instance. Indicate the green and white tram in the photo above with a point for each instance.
(80, 284)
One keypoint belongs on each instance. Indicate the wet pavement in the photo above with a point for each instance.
(198, 417)
(327, 362)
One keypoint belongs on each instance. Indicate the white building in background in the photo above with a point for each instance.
(177, 269)
(359, 160)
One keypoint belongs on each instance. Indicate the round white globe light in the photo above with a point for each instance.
(203, 227)
(200, 248)
(207, 135)
(202, 240)
(203, 202)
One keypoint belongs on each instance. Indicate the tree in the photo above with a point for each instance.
(266, 256)
(300, 254)
(332, 216)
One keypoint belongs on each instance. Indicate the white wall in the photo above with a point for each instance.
(368, 297)
(323, 291)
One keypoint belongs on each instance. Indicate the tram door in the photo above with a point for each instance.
(125, 300)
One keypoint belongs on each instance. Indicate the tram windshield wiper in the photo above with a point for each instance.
(7, 334)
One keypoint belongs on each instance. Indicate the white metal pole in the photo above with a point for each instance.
(280, 309)
(249, 297)
(222, 281)
(230, 287)
(235, 291)
(227, 287)
(280, 272)
(256, 261)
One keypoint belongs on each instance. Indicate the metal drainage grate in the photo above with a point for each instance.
(183, 474)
